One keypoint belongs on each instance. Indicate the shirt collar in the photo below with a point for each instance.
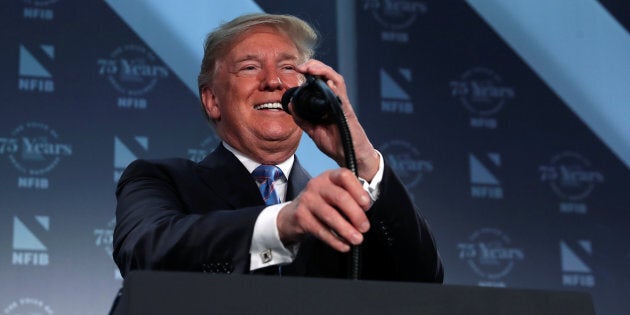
(251, 165)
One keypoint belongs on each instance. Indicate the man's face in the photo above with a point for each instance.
(244, 97)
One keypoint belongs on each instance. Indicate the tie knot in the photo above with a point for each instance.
(267, 172)
(265, 175)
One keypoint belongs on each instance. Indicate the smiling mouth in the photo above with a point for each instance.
(272, 106)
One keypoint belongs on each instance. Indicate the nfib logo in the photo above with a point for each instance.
(34, 65)
(394, 87)
(484, 184)
(576, 271)
(28, 249)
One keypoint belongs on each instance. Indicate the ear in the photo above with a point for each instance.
(209, 100)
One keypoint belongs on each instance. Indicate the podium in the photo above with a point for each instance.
(151, 292)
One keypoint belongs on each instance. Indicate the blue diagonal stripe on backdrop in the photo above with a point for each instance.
(580, 51)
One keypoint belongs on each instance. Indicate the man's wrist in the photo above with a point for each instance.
(372, 187)
(267, 249)
(368, 166)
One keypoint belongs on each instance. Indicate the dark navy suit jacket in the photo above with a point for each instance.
(175, 214)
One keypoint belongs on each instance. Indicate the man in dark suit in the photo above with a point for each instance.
(215, 216)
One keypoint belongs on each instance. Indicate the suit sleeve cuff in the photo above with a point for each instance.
(267, 249)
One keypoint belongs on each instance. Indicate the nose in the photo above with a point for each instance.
(271, 81)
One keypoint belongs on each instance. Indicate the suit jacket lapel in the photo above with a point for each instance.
(224, 174)
(298, 179)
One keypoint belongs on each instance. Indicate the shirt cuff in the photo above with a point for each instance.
(373, 187)
(267, 248)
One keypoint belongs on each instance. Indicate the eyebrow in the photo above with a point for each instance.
(282, 57)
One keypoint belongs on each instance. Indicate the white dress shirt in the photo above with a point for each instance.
(266, 248)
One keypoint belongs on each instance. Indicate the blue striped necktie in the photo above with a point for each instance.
(265, 175)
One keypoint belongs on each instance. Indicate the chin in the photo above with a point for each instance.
(277, 130)
(284, 136)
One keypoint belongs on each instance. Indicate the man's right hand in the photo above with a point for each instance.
(332, 208)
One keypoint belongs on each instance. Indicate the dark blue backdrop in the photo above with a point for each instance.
(519, 192)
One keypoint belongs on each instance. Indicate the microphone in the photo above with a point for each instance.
(313, 101)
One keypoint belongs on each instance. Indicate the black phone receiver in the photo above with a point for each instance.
(313, 101)
(316, 103)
